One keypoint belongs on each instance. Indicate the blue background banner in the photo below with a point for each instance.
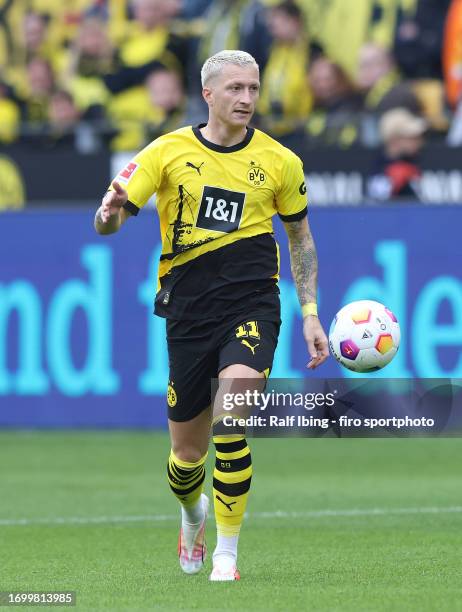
(79, 346)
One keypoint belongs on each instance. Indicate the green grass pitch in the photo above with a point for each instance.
(375, 524)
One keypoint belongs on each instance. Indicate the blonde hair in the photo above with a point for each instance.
(214, 65)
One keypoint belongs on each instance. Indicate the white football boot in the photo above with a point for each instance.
(191, 543)
(224, 569)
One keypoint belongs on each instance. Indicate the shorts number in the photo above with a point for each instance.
(248, 330)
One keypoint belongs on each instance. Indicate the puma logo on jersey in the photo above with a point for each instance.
(198, 168)
(252, 348)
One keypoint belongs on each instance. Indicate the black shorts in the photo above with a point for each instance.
(199, 350)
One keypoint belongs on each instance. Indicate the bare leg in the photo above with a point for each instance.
(190, 439)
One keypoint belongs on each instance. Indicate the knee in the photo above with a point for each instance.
(190, 454)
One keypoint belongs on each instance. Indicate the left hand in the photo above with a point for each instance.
(113, 201)
(316, 341)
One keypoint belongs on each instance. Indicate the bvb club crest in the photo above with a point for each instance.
(171, 396)
(256, 175)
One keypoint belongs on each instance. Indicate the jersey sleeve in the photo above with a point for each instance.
(141, 177)
(291, 200)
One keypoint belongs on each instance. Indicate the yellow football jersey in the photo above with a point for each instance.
(215, 206)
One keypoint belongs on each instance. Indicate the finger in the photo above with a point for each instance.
(313, 364)
(320, 355)
(322, 359)
(106, 211)
(323, 351)
(312, 348)
(118, 188)
(111, 198)
(113, 202)
(107, 197)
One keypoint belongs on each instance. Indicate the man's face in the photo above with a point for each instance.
(283, 27)
(407, 146)
(148, 13)
(233, 94)
(374, 63)
(40, 76)
(323, 80)
(165, 90)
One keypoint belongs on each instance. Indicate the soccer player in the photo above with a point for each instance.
(218, 186)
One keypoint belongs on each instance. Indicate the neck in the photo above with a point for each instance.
(223, 135)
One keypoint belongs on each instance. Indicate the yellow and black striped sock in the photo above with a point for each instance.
(231, 483)
(186, 479)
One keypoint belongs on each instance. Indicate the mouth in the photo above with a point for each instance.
(241, 112)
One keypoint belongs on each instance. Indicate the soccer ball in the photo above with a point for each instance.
(364, 336)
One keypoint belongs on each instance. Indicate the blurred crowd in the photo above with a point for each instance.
(92, 74)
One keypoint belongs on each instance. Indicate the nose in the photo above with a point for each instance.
(246, 96)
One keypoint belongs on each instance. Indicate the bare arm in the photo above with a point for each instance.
(303, 260)
(304, 266)
(111, 215)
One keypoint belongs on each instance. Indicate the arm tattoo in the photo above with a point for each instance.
(303, 260)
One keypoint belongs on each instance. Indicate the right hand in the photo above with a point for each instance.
(316, 341)
(113, 201)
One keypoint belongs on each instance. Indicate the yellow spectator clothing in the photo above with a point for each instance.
(222, 28)
(58, 7)
(141, 47)
(35, 108)
(118, 20)
(16, 72)
(10, 120)
(342, 133)
(131, 112)
(13, 191)
(65, 18)
(62, 27)
(88, 91)
(12, 15)
(342, 27)
(285, 97)
(126, 111)
(46, 51)
(382, 87)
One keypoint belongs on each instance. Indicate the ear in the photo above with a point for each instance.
(207, 95)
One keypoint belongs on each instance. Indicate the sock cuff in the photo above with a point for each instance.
(186, 464)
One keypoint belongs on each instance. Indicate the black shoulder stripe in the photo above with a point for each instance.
(295, 217)
(132, 208)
